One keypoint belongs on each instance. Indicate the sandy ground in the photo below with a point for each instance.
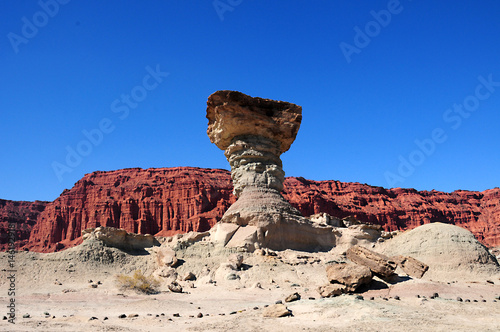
(58, 284)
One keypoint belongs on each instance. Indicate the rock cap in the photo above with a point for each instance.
(231, 114)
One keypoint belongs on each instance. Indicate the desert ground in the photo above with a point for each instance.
(56, 291)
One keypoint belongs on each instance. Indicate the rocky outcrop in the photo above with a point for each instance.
(168, 201)
(22, 216)
(399, 209)
(254, 132)
(161, 202)
(120, 238)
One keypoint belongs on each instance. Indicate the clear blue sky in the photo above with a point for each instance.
(369, 89)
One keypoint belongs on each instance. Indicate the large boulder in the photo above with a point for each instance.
(411, 266)
(349, 274)
(377, 263)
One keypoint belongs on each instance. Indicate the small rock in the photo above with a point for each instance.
(93, 318)
(176, 315)
(331, 290)
(475, 300)
(490, 282)
(174, 287)
(4, 317)
(312, 298)
(292, 297)
(46, 313)
(122, 316)
(232, 276)
(435, 295)
(257, 285)
(105, 318)
(94, 285)
(99, 282)
(396, 298)
(483, 301)
(467, 300)
(278, 302)
(236, 260)
(255, 308)
(459, 299)
(133, 315)
(232, 313)
(385, 299)
(359, 297)
(200, 315)
(26, 316)
(189, 276)
(276, 310)
(259, 252)
(90, 281)
(372, 298)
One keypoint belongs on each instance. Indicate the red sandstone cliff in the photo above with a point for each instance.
(166, 201)
(23, 215)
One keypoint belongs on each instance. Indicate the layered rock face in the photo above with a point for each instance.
(174, 199)
(254, 132)
(21, 214)
(161, 201)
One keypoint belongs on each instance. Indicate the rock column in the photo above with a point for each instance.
(254, 132)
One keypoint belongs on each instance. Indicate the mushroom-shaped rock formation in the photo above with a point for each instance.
(254, 132)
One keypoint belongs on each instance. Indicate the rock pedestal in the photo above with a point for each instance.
(254, 132)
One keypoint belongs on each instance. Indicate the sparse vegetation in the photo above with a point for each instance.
(138, 282)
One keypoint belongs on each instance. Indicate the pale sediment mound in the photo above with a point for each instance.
(451, 252)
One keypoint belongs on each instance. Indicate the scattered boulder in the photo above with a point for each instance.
(411, 266)
(223, 232)
(174, 287)
(331, 290)
(244, 237)
(189, 276)
(377, 263)
(349, 274)
(276, 310)
(292, 297)
(165, 256)
(236, 260)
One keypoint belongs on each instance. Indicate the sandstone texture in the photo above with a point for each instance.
(167, 201)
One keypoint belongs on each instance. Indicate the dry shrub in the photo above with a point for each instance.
(138, 282)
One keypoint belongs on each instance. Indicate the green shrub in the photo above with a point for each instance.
(138, 282)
